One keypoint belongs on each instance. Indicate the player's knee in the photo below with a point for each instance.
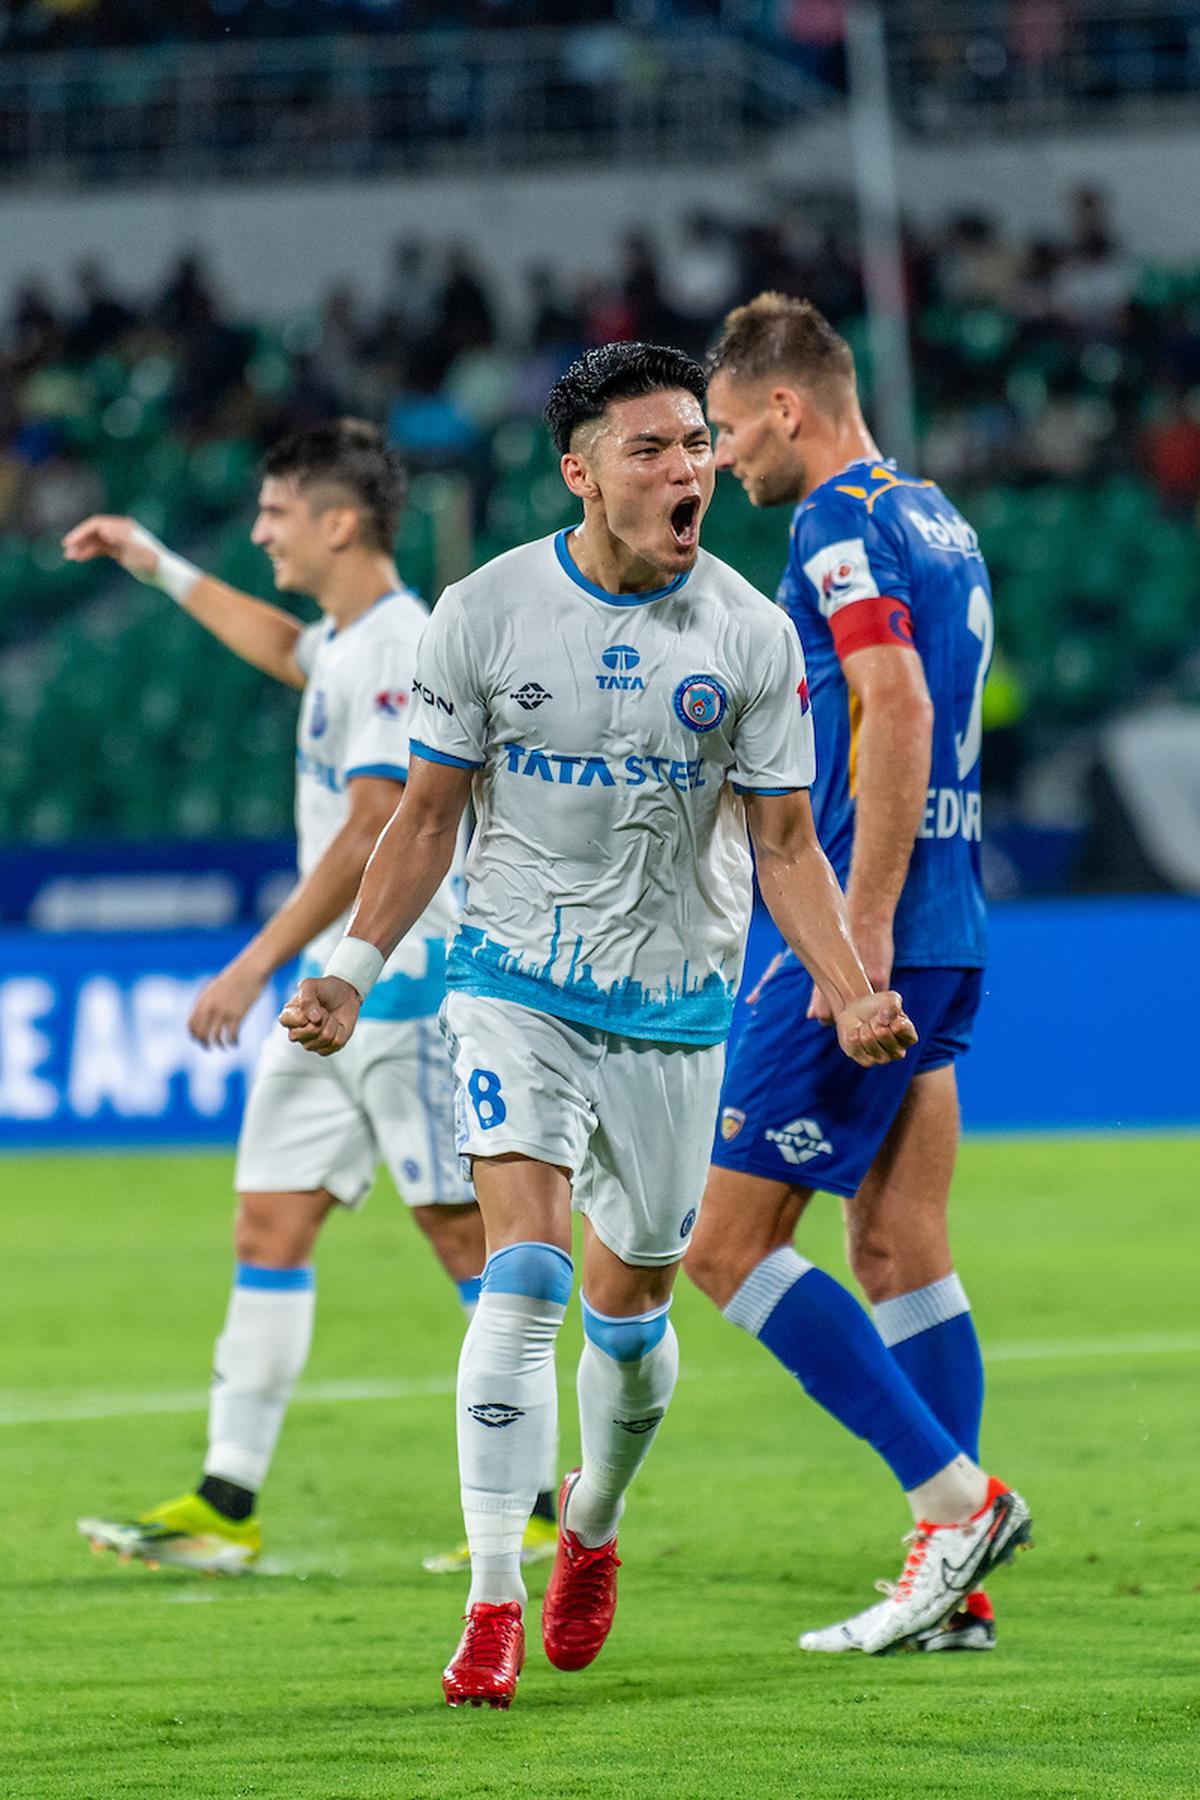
(455, 1235)
(714, 1264)
(266, 1233)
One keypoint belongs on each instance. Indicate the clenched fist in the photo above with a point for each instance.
(322, 1014)
(875, 1029)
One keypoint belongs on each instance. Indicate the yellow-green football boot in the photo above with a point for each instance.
(538, 1545)
(186, 1533)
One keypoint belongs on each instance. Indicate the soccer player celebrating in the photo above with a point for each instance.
(313, 1134)
(890, 595)
(620, 706)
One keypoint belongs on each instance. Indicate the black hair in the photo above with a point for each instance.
(350, 454)
(616, 372)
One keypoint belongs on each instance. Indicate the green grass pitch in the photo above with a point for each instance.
(754, 1518)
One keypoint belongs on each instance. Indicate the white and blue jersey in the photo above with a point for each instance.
(608, 880)
(354, 721)
(880, 557)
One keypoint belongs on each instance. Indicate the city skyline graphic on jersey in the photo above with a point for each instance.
(689, 1006)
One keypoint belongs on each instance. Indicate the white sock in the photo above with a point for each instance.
(621, 1405)
(507, 1422)
(951, 1495)
(260, 1355)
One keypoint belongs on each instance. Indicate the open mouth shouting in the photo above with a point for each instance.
(685, 522)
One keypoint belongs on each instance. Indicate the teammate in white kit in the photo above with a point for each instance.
(314, 1133)
(619, 705)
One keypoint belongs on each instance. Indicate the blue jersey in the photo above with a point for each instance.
(880, 557)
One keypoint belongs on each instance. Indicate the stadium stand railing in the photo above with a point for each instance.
(1005, 67)
(367, 105)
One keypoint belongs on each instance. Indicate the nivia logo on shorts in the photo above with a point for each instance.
(700, 702)
(496, 1415)
(621, 660)
(800, 1141)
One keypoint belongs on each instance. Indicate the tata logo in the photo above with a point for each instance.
(431, 699)
(800, 1141)
(621, 659)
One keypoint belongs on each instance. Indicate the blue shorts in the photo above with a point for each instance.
(795, 1108)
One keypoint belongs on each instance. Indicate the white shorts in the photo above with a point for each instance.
(632, 1120)
(329, 1121)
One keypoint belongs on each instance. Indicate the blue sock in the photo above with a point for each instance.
(822, 1335)
(931, 1334)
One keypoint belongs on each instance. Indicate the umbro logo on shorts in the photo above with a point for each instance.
(800, 1141)
(531, 695)
(496, 1415)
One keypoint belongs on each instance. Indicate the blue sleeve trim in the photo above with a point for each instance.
(441, 756)
(468, 1290)
(388, 771)
(279, 1281)
(739, 789)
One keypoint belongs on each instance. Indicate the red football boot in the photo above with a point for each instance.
(490, 1656)
(581, 1598)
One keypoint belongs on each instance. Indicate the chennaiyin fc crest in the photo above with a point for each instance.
(700, 702)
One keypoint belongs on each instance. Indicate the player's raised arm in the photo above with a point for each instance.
(404, 872)
(259, 633)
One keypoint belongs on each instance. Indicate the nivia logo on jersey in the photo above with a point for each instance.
(620, 660)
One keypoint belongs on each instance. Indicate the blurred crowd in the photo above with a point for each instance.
(1053, 359)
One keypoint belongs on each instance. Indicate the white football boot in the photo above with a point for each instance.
(944, 1564)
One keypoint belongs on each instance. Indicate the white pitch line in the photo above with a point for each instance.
(80, 1407)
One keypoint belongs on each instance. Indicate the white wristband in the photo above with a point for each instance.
(174, 575)
(356, 961)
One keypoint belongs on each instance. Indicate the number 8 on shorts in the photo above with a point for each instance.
(484, 1089)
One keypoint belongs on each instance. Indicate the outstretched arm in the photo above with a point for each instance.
(805, 901)
(405, 870)
(259, 633)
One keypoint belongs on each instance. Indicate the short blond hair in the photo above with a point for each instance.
(775, 334)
